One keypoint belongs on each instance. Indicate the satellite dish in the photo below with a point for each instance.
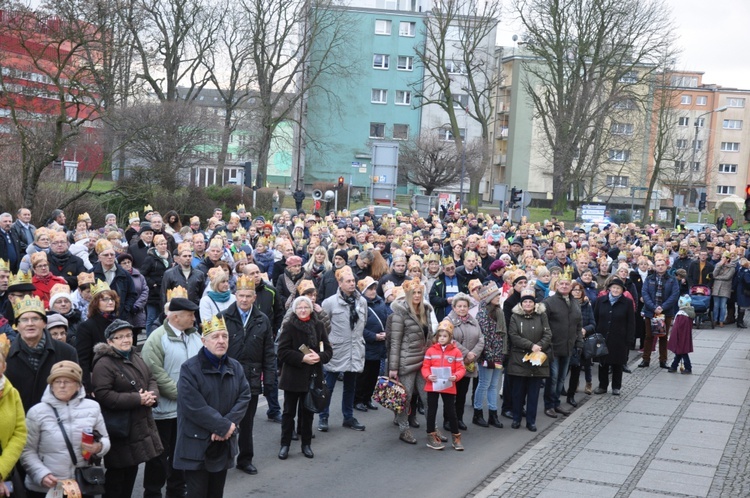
(514, 38)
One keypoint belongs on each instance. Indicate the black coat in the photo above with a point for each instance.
(268, 301)
(616, 323)
(328, 285)
(66, 265)
(153, 271)
(29, 382)
(252, 346)
(4, 249)
(195, 284)
(694, 273)
(437, 294)
(138, 250)
(21, 235)
(566, 324)
(123, 285)
(295, 374)
(90, 333)
(479, 273)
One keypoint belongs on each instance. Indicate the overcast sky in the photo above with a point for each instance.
(713, 35)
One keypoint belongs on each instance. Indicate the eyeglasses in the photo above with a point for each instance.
(107, 255)
(41, 266)
(30, 319)
(63, 382)
(122, 337)
(107, 300)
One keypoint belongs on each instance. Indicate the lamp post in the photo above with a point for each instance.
(695, 151)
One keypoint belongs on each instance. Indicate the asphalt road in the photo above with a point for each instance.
(375, 462)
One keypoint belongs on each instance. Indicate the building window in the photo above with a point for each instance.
(732, 124)
(622, 128)
(682, 143)
(403, 97)
(377, 130)
(626, 104)
(727, 168)
(686, 100)
(381, 61)
(407, 28)
(400, 131)
(701, 100)
(405, 63)
(617, 181)
(735, 102)
(725, 189)
(455, 67)
(685, 81)
(619, 155)
(379, 96)
(453, 33)
(685, 121)
(460, 101)
(730, 146)
(698, 145)
(679, 166)
(700, 122)
(447, 135)
(382, 27)
(629, 77)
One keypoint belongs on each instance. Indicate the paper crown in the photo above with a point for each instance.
(178, 291)
(221, 234)
(433, 256)
(28, 304)
(4, 345)
(239, 255)
(147, 208)
(99, 286)
(59, 289)
(4, 265)
(216, 242)
(85, 278)
(245, 283)
(447, 261)
(133, 217)
(214, 324)
(307, 285)
(38, 257)
(240, 207)
(22, 277)
(446, 325)
(84, 217)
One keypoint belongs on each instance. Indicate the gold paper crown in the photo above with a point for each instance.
(241, 232)
(245, 283)
(567, 274)
(147, 208)
(239, 255)
(84, 217)
(178, 291)
(222, 234)
(99, 286)
(133, 216)
(28, 303)
(446, 325)
(214, 324)
(22, 277)
(447, 260)
(4, 265)
(4, 345)
(85, 278)
(240, 207)
(216, 242)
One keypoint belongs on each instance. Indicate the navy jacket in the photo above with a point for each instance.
(669, 299)
(377, 315)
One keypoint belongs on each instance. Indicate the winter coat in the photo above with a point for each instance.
(139, 251)
(209, 401)
(743, 288)
(90, 333)
(287, 288)
(616, 322)
(670, 297)
(268, 301)
(565, 322)
(450, 357)
(495, 335)
(113, 391)
(209, 307)
(8, 239)
(468, 337)
(44, 286)
(377, 317)
(437, 295)
(137, 317)
(24, 239)
(164, 353)
(195, 283)
(409, 339)
(264, 260)
(723, 275)
(328, 285)
(525, 331)
(12, 429)
(590, 289)
(252, 346)
(123, 285)
(31, 383)
(694, 273)
(681, 334)
(348, 344)
(153, 270)
(391, 277)
(478, 273)
(295, 374)
(46, 451)
(588, 321)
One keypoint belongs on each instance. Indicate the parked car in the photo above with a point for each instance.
(699, 227)
(379, 211)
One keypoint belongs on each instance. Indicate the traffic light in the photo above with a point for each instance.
(248, 176)
(516, 196)
(702, 202)
(511, 201)
(341, 183)
(747, 203)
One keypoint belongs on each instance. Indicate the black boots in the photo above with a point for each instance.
(494, 421)
(479, 419)
(741, 319)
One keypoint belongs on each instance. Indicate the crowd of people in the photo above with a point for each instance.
(457, 307)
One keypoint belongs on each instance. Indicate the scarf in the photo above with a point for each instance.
(219, 297)
(352, 302)
(124, 354)
(218, 363)
(613, 299)
(44, 279)
(294, 278)
(33, 355)
(306, 319)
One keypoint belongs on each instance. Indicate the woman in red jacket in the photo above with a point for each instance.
(443, 354)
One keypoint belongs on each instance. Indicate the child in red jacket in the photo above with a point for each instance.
(443, 354)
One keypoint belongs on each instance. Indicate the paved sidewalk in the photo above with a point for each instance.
(667, 434)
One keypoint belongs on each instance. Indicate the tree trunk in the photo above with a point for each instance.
(264, 147)
(226, 133)
(474, 197)
(559, 185)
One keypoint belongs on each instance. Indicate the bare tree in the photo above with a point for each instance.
(458, 59)
(432, 163)
(293, 44)
(53, 99)
(584, 56)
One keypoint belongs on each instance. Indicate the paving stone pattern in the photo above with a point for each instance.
(666, 435)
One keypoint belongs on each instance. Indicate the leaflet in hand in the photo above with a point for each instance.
(443, 374)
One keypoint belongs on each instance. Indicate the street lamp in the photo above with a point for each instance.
(695, 151)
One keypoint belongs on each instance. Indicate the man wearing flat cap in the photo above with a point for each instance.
(165, 350)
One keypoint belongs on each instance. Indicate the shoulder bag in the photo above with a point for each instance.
(317, 397)
(594, 346)
(90, 479)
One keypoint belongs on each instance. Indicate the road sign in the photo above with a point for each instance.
(591, 212)
(356, 164)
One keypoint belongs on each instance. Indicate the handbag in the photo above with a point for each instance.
(390, 394)
(90, 479)
(317, 397)
(658, 327)
(19, 491)
(118, 421)
(595, 346)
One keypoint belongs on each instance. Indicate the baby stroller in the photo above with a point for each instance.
(701, 299)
